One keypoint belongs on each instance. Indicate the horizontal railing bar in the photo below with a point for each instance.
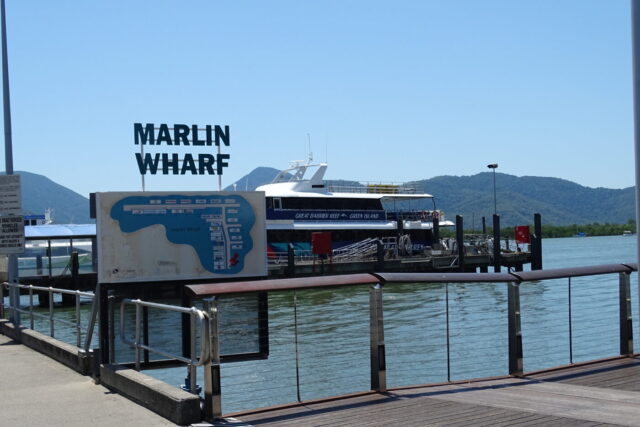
(185, 310)
(54, 290)
(560, 273)
(447, 277)
(281, 284)
(366, 278)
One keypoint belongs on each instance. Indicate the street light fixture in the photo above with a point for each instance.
(494, 166)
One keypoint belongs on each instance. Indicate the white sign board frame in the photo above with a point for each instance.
(174, 236)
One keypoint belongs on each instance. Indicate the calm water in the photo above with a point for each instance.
(329, 354)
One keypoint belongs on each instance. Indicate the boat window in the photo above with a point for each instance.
(277, 203)
(333, 203)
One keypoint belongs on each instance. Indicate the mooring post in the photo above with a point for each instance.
(39, 265)
(67, 299)
(515, 331)
(484, 225)
(291, 261)
(212, 388)
(460, 241)
(497, 261)
(436, 229)
(537, 243)
(626, 320)
(376, 323)
(380, 254)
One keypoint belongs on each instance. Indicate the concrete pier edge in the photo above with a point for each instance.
(170, 402)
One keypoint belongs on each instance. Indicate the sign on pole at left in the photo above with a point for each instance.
(10, 199)
(11, 221)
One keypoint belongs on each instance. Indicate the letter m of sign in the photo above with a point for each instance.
(144, 134)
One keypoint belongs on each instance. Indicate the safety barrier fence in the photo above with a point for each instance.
(49, 315)
(450, 326)
(198, 321)
(333, 335)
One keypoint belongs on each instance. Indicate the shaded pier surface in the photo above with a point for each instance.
(599, 394)
(36, 390)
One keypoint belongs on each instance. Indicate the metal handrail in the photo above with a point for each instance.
(378, 281)
(196, 316)
(221, 288)
(50, 316)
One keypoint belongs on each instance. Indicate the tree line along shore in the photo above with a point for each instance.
(550, 231)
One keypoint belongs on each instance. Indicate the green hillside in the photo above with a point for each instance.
(560, 202)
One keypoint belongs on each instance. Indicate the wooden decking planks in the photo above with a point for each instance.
(600, 394)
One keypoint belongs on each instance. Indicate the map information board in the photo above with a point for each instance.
(160, 236)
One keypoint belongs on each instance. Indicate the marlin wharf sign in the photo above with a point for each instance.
(172, 163)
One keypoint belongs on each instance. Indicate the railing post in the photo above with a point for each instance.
(51, 324)
(212, 388)
(626, 321)
(1, 300)
(193, 371)
(515, 333)
(78, 318)
(31, 320)
(378, 362)
(138, 333)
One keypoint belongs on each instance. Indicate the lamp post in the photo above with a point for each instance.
(494, 166)
(12, 262)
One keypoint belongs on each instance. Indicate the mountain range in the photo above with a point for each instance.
(39, 193)
(560, 202)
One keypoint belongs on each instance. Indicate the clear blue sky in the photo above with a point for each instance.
(390, 91)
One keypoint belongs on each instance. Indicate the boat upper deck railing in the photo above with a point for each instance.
(374, 188)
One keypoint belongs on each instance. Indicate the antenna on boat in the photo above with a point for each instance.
(310, 156)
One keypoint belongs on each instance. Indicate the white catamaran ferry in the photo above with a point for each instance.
(353, 214)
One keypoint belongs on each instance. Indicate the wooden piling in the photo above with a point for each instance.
(496, 243)
(460, 241)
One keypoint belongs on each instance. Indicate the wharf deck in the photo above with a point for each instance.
(35, 390)
(598, 394)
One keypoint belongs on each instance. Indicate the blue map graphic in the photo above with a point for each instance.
(217, 226)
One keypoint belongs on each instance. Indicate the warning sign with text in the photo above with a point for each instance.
(11, 234)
